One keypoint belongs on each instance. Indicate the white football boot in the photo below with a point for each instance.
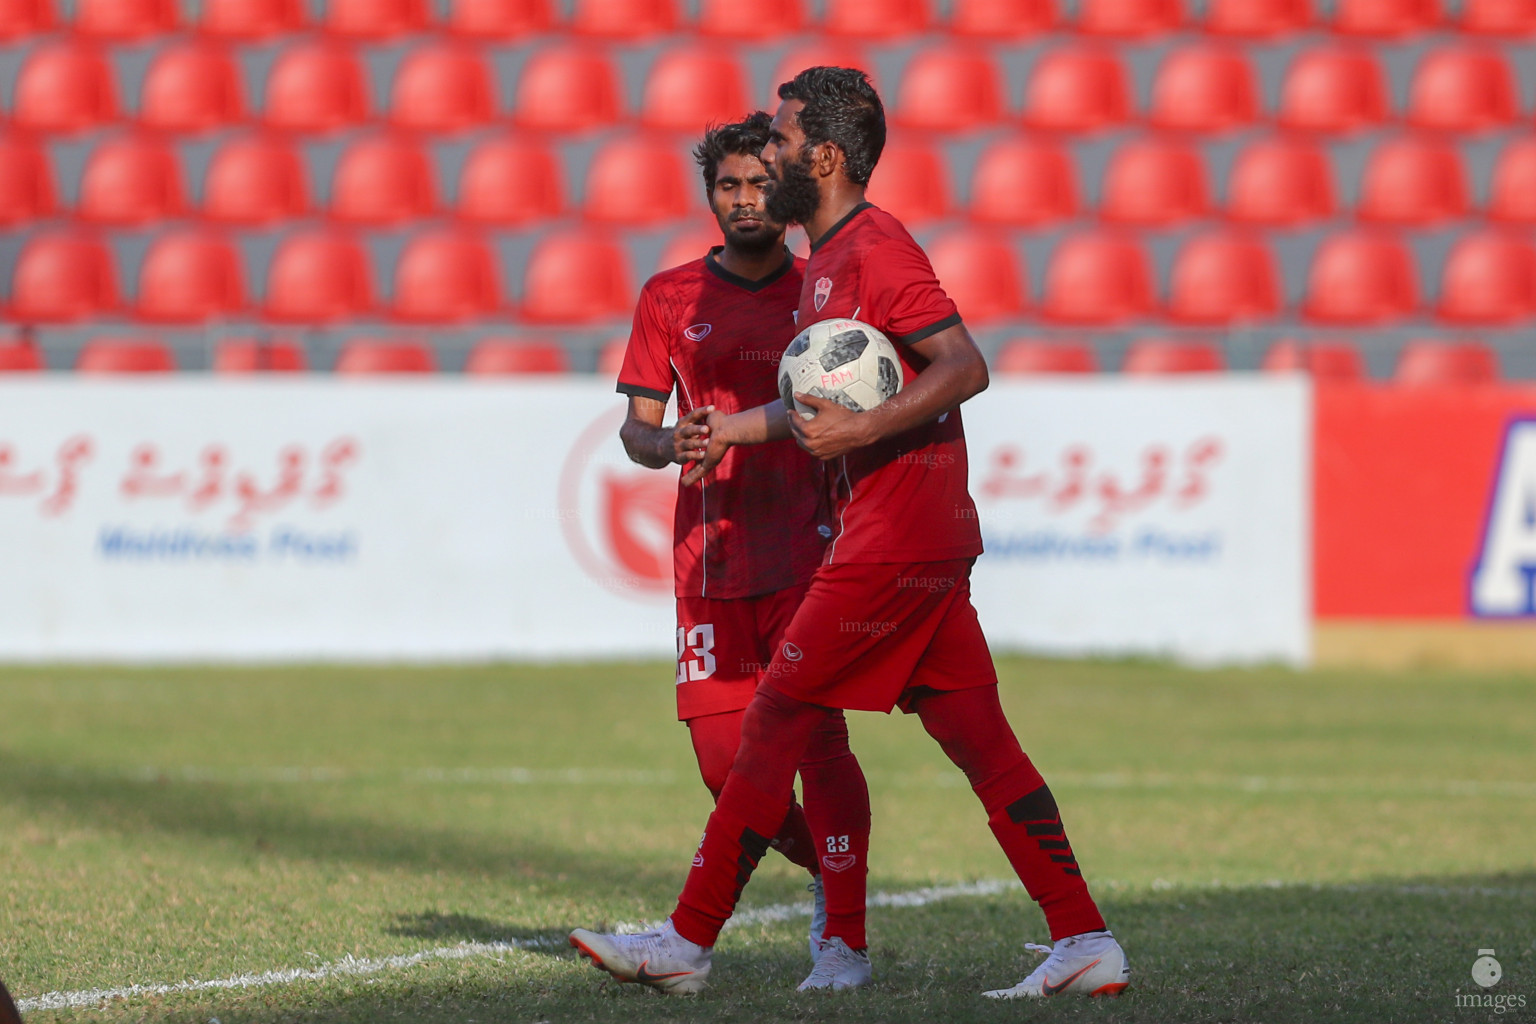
(818, 915)
(838, 968)
(1090, 964)
(661, 959)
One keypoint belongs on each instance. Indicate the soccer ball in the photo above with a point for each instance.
(845, 361)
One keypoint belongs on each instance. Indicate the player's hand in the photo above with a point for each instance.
(714, 449)
(690, 437)
(832, 432)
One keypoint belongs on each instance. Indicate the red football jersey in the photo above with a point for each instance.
(904, 499)
(758, 523)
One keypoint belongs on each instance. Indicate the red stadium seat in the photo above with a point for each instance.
(576, 277)
(1129, 19)
(62, 277)
(1281, 182)
(255, 181)
(131, 180)
(125, 355)
(1224, 278)
(316, 87)
(442, 88)
(823, 53)
(252, 355)
(26, 180)
(1321, 360)
(624, 19)
(22, 18)
(64, 87)
(1361, 278)
(1414, 182)
(1155, 183)
(1508, 19)
(498, 356)
(1489, 278)
(251, 20)
(639, 180)
(446, 277)
(20, 357)
(190, 277)
(1156, 356)
(911, 183)
(567, 89)
(1431, 363)
(1077, 90)
(1512, 197)
(1257, 19)
(1023, 182)
(1333, 89)
(610, 358)
(375, 19)
(1385, 19)
(383, 180)
(318, 276)
(694, 86)
(371, 356)
(509, 182)
(500, 20)
(981, 273)
(950, 89)
(876, 19)
(1097, 279)
(1462, 90)
(1204, 89)
(688, 245)
(124, 20)
(759, 22)
(193, 87)
(1001, 19)
(1029, 356)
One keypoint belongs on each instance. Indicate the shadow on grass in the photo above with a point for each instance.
(442, 928)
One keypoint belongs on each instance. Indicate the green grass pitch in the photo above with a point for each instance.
(1269, 845)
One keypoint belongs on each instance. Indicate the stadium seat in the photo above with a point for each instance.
(688, 245)
(500, 20)
(124, 20)
(193, 87)
(1321, 360)
(316, 87)
(876, 19)
(822, 53)
(981, 273)
(19, 357)
(949, 89)
(1512, 196)
(1385, 19)
(510, 181)
(1257, 19)
(254, 181)
(383, 180)
(567, 89)
(1461, 89)
(131, 180)
(499, 356)
(26, 180)
(190, 277)
(1030, 356)
(610, 358)
(1001, 19)
(375, 19)
(576, 277)
(370, 356)
(62, 277)
(758, 23)
(1333, 89)
(249, 21)
(318, 276)
(446, 277)
(1157, 356)
(1361, 278)
(911, 183)
(1074, 89)
(1097, 279)
(22, 18)
(1154, 182)
(1224, 278)
(624, 19)
(639, 180)
(442, 88)
(1023, 181)
(1281, 182)
(691, 87)
(253, 355)
(1430, 363)
(63, 87)
(1489, 278)
(125, 355)
(1414, 182)
(1504, 19)
(1206, 89)
(1129, 19)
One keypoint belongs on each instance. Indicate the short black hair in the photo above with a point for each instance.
(842, 107)
(744, 138)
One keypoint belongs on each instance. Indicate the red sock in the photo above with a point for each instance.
(715, 741)
(837, 806)
(794, 840)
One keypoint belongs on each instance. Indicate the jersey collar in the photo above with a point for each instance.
(711, 261)
(835, 228)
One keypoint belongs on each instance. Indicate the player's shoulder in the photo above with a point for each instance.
(676, 280)
(873, 230)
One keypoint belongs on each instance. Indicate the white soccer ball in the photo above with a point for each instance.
(845, 361)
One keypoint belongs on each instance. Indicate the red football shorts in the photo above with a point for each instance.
(870, 634)
(724, 646)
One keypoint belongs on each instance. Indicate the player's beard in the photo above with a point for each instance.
(795, 196)
(766, 238)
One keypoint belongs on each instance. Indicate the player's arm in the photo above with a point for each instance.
(655, 446)
(765, 423)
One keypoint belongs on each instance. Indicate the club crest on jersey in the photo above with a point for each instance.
(823, 292)
(698, 332)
